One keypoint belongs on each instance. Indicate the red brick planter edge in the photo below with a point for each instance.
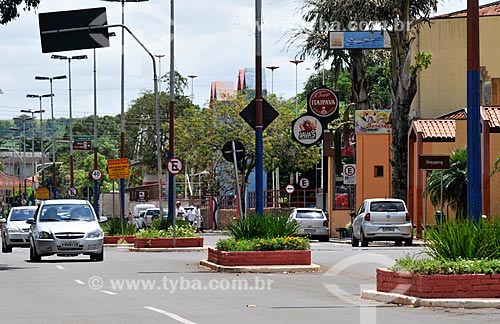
(140, 243)
(115, 239)
(439, 286)
(258, 258)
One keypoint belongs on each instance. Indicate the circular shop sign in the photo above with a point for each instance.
(323, 102)
(290, 188)
(307, 130)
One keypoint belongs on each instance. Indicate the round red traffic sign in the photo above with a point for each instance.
(174, 165)
(96, 174)
(72, 192)
(323, 102)
(289, 188)
(349, 170)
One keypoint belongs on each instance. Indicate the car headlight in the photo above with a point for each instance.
(95, 234)
(13, 230)
(45, 235)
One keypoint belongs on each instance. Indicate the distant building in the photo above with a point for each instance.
(246, 82)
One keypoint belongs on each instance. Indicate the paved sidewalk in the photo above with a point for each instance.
(399, 299)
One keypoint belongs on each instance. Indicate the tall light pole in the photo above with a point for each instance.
(159, 56)
(32, 112)
(122, 110)
(272, 68)
(53, 130)
(71, 164)
(42, 131)
(23, 119)
(296, 62)
(192, 76)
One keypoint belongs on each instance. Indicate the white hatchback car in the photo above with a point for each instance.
(312, 222)
(15, 232)
(382, 219)
(66, 227)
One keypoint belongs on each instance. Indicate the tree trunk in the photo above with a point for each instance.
(359, 95)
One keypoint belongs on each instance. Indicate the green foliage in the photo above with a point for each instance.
(113, 227)
(263, 244)
(463, 239)
(182, 231)
(9, 9)
(266, 226)
(454, 183)
(440, 266)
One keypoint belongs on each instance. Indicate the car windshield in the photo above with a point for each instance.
(57, 213)
(387, 206)
(21, 214)
(309, 214)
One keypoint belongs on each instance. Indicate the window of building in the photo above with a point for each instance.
(379, 171)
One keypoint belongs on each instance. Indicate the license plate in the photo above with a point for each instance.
(72, 244)
(388, 229)
(309, 230)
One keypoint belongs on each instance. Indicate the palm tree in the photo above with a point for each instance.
(454, 183)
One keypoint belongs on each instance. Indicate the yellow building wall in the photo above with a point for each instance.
(494, 179)
(372, 150)
(443, 86)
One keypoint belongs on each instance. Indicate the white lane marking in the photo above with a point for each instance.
(59, 267)
(108, 292)
(79, 282)
(171, 315)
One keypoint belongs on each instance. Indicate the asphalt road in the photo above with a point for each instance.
(172, 288)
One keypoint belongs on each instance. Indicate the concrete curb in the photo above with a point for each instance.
(119, 245)
(261, 269)
(430, 302)
(156, 250)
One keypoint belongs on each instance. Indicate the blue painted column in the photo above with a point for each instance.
(474, 172)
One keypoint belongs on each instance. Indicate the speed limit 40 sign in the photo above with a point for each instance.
(96, 175)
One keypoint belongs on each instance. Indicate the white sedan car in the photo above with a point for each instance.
(312, 222)
(66, 227)
(382, 219)
(15, 231)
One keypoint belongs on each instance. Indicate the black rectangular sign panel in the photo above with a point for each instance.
(55, 39)
(434, 162)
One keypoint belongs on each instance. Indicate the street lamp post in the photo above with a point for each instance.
(122, 110)
(23, 119)
(42, 131)
(272, 68)
(32, 112)
(296, 62)
(69, 59)
(192, 76)
(53, 131)
(159, 56)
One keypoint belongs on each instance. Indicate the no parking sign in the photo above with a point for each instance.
(349, 174)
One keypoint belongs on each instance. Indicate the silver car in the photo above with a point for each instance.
(312, 222)
(382, 219)
(66, 227)
(15, 231)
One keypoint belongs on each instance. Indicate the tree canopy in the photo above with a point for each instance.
(10, 9)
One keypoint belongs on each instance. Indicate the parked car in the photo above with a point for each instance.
(66, 227)
(312, 222)
(382, 219)
(139, 220)
(152, 214)
(15, 230)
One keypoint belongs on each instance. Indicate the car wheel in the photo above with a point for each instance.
(5, 247)
(34, 256)
(409, 242)
(98, 257)
(399, 243)
(364, 241)
(354, 241)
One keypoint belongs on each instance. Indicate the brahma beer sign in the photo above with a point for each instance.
(323, 103)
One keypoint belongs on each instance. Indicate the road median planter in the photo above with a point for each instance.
(260, 258)
(141, 243)
(115, 239)
(439, 286)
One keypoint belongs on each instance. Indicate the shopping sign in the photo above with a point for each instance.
(323, 104)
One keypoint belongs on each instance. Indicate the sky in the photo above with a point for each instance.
(213, 40)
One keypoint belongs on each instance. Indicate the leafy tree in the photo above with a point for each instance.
(454, 183)
(9, 10)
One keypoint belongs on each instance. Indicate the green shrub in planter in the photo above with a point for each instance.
(182, 231)
(262, 244)
(262, 226)
(113, 227)
(447, 267)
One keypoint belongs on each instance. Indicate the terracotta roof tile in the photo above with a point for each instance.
(460, 114)
(492, 115)
(489, 9)
(433, 129)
